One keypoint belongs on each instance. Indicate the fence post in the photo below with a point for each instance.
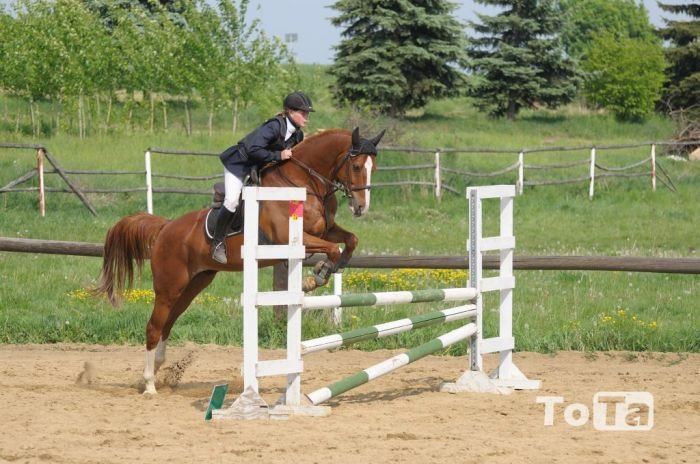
(337, 290)
(438, 180)
(149, 182)
(521, 173)
(591, 187)
(475, 270)
(653, 167)
(40, 170)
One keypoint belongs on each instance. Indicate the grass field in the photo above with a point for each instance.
(43, 299)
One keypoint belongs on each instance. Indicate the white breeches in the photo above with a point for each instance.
(233, 186)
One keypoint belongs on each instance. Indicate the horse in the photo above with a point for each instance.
(181, 264)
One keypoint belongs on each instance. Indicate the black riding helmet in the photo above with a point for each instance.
(298, 101)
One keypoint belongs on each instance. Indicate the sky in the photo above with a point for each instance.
(316, 36)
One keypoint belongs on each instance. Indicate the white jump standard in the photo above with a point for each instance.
(505, 376)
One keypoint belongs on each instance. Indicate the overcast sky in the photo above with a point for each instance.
(309, 20)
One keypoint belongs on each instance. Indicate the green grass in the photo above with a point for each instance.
(42, 300)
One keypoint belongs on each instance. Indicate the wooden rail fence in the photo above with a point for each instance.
(548, 263)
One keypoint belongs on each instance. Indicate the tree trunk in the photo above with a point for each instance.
(234, 116)
(153, 111)
(188, 118)
(512, 110)
(37, 114)
(109, 111)
(98, 110)
(32, 117)
(59, 113)
(130, 113)
(165, 114)
(81, 122)
(211, 120)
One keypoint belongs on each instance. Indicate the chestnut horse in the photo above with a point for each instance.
(181, 264)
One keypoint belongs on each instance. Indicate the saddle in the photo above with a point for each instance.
(236, 226)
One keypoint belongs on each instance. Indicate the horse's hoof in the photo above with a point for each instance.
(320, 280)
(150, 391)
(319, 265)
(322, 272)
(308, 285)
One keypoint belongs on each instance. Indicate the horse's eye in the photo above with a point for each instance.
(356, 168)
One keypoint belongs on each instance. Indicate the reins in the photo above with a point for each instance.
(331, 184)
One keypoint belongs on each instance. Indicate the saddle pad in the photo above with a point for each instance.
(235, 228)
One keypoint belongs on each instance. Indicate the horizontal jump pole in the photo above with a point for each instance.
(387, 298)
(324, 394)
(388, 328)
(543, 263)
(530, 263)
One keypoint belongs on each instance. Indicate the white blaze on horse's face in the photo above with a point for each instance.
(368, 168)
(360, 177)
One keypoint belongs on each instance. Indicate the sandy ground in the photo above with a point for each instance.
(53, 410)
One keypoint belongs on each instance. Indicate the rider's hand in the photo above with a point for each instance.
(286, 154)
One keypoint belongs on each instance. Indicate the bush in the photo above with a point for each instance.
(624, 75)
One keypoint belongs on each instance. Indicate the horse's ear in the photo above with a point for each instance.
(356, 140)
(375, 141)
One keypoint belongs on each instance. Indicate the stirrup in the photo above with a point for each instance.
(218, 252)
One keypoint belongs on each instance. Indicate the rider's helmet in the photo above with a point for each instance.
(298, 101)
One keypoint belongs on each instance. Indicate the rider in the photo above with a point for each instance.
(272, 141)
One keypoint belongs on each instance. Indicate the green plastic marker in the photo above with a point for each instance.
(217, 399)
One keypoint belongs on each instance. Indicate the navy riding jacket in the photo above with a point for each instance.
(260, 147)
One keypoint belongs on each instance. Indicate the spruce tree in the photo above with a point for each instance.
(518, 59)
(396, 55)
(683, 86)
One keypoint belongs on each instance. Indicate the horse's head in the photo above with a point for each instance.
(356, 172)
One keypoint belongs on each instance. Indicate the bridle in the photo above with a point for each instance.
(332, 185)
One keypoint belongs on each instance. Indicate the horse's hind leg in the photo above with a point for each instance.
(194, 288)
(156, 357)
(168, 287)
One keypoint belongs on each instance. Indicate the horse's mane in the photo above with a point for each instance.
(322, 133)
(336, 140)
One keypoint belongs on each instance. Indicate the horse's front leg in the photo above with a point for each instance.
(339, 235)
(323, 269)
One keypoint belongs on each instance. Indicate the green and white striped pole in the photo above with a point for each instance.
(387, 298)
(388, 328)
(371, 373)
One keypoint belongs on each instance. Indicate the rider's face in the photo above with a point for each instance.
(299, 117)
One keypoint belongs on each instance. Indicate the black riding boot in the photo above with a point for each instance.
(218, 246)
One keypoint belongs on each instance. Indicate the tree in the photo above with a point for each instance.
(624, 75)
(584, 19)
(106, 9)
(396, 55)
(259, 70)
(518, 59)
(683, 88)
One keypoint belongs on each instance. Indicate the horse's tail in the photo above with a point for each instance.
(128, 241)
